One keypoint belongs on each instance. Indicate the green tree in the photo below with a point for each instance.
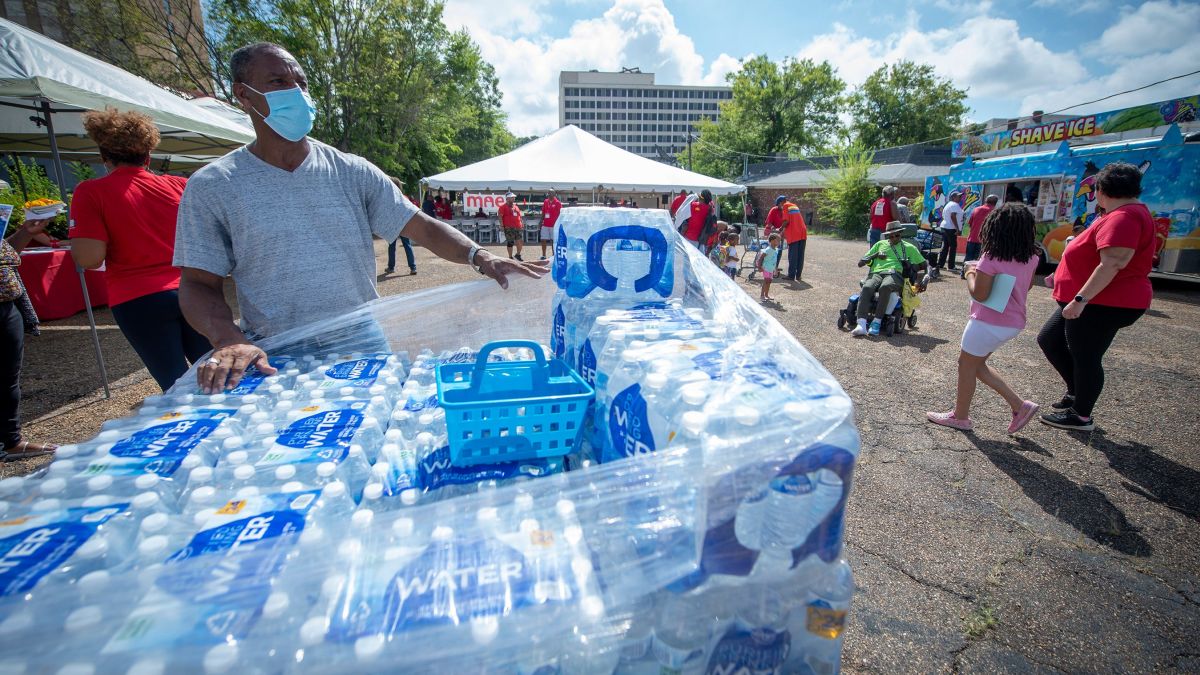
(848, 193)
(784, 108)
(905, 103)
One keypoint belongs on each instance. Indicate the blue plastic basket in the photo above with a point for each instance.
(511, 410)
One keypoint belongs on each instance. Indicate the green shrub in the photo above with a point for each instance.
(846, 200)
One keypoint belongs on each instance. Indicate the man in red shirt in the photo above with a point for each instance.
(510, 222)
(975, 222)
(795, 231)
(676, 202)
(551, 207)
(883, 211)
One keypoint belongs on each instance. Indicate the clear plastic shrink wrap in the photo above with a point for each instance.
(314, 521)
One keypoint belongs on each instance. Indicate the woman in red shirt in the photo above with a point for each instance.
(1102, 285)
(700, 210)
(126, 220)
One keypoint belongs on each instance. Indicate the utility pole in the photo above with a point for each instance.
(689, 151)
(745, 165)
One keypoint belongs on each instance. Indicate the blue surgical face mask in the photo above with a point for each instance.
(292, 112)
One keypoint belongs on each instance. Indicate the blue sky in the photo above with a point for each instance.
(1013, 57)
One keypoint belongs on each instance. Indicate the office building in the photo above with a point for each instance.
(633, 113)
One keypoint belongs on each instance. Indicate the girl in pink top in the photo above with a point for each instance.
(1008, 249)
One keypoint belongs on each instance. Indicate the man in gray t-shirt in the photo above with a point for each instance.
(291, 219)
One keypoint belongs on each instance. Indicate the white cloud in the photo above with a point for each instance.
(1073, 6)
(1150, 28)
(638, 33)
(988, 56)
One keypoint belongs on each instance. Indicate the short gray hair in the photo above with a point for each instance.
(241, 59)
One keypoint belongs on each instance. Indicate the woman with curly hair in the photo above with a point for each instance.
(1007, 240)
(126, 220)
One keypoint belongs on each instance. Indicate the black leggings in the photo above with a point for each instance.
(796, 258)
(162, 338)
(1075, 347)
(12, 348)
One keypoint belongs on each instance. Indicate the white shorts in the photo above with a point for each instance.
(547, 234)
(981, 339)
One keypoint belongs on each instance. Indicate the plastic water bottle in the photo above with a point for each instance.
(681, 635)
(823, 617)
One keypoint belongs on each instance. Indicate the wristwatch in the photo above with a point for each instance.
(1080, 299)
(475, 249)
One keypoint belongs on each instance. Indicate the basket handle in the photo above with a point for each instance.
(541, 373)
(658, 256)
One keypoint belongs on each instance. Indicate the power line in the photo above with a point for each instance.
(737, 153)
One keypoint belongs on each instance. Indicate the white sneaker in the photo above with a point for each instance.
(859, 331)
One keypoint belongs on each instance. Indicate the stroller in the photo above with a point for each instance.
(929, 243)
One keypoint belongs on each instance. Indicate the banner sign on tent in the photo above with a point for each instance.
(1111, 122)
(475, 201)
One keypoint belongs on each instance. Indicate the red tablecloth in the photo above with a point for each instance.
(53, 284)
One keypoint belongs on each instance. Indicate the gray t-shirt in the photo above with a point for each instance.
(298, 244)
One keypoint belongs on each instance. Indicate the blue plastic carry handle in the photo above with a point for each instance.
(658, 256)
(541, 372)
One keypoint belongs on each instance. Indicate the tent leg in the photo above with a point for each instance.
(87, 301)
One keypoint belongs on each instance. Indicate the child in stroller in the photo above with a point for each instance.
(889, 291)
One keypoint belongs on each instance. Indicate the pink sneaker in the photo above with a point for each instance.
(947, 419)
(1021, 417)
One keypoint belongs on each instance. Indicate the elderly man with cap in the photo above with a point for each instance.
(887, 260)
(952, 224)
(883, 211)
(511, 224)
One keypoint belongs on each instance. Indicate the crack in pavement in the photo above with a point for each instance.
(891, 563)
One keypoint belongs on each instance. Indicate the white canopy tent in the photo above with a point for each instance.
(44, 86)
(571, 159)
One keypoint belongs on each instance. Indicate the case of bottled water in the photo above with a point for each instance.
(311, 520)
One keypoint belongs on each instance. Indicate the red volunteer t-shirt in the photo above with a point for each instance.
(444, 210)
(510, 217)
(978, 215)
(1129, 226)
(774, 219)
(676, 202)
(699, 215)
(881, 214)
(797, 229)
(134, 212)
(550, 210)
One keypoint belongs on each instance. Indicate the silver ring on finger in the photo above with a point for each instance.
(213, 362)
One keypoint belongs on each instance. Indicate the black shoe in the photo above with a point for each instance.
(413, 271)
(518, 257)
(1066, 402)
(1068, 420)
(389, 270)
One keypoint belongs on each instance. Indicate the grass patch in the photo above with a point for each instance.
(979, 621)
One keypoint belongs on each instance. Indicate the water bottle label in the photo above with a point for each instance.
(356, 373)
(745, 650)
(328, 429)
(558, 337)
(41, 544)
(246, 531)
(792, 486)
(824, 620)
(419, 404)
(587, 362)
(560, 258)
(435, 470)
(165, 467)
(628, 426)
(173, 439)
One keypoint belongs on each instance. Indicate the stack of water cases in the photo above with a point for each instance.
(312, 520)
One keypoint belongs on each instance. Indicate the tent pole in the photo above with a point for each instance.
(87, 301)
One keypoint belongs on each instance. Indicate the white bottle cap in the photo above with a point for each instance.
(372, 493)
(426, 439)
(292, 486)
(11, 486)
(565, 508)
(150, 665)
(356, 450)
(249, 405)
(311, 536)
(629, 356)
(205, 494)
(146, 481)
(484, 629)
(442, 533)
(798, 411)
(61, 466)
(285, 473)
(77, 668)
(369, 647)
(410, 496)
(403, 527)
(334, 490)
(264, 429)
(244, 472)
(202, 516)
(746, 416)
(53, 486)
(69, 451)
(426, 419)
(362, 518)
(287, 396)
(94, 582)
(276, 604)
(312, 631)
(217, 398)
(393, 436)
(110, 436)
(146, 501)
(592, 606)
(326, 469)
(221, 658)
(16, 622)
(259, 417)
(332, 585)
(201, 475)
(694, 395)
(524, 501)
(155, 522)
(83, 618)
(487, 515)
(46, 505)
(237, 457)
(96, 501)
(153, 548)
(694, 422)
(656, 381)
(247, 492)
(190, 462)
(383, 469)
(233, 444)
